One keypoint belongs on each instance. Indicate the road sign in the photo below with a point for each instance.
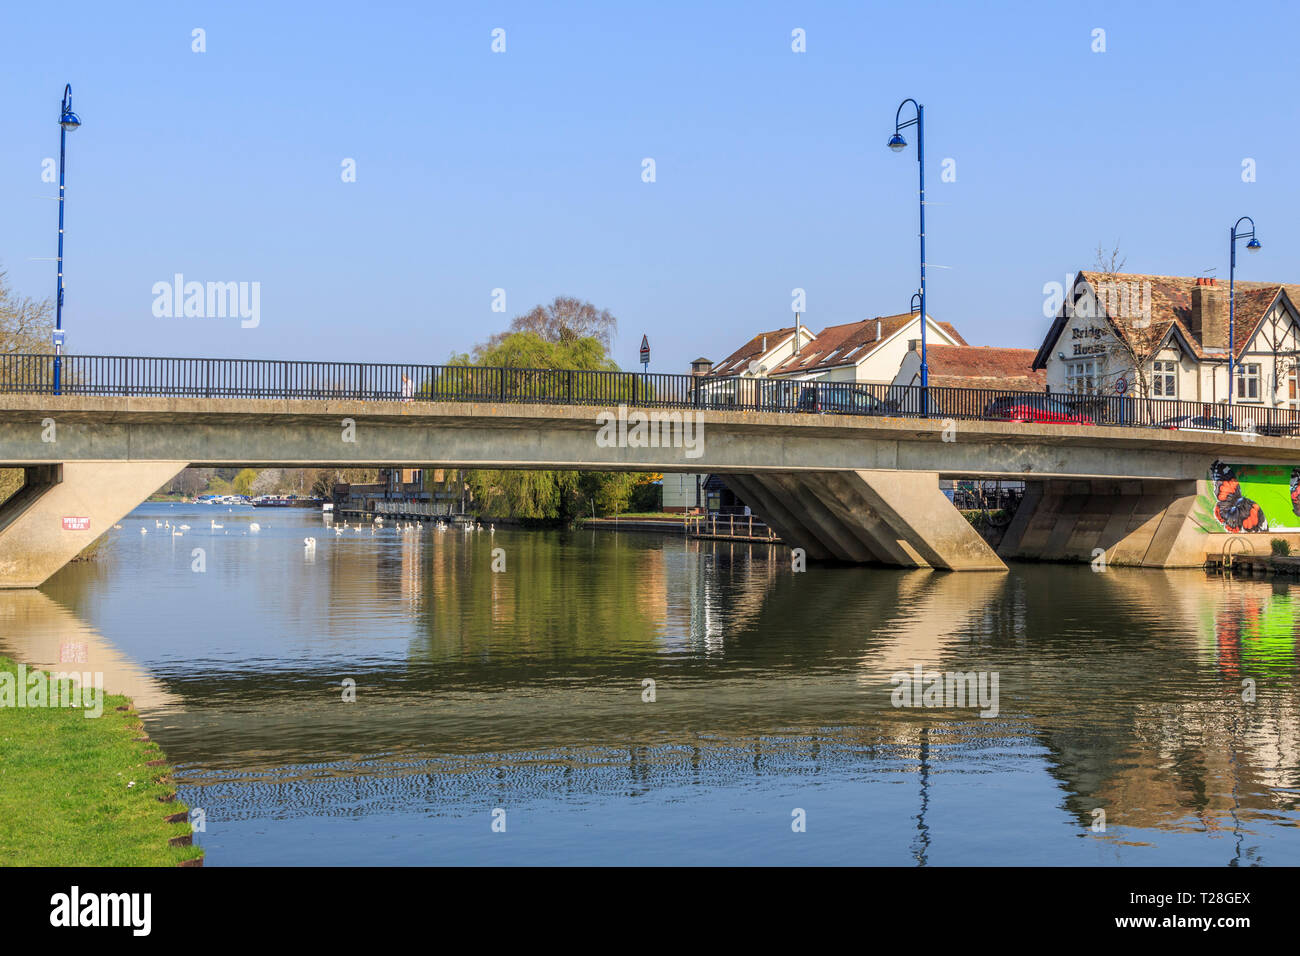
(645, 350)
(1121, 386)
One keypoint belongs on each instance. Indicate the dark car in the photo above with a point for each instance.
(1276, 429)
(841, 400)
(1034, 408)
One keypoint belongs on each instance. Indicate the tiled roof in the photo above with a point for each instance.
(838, 345)
(738, 361)
(1171, 311)
(969, 366)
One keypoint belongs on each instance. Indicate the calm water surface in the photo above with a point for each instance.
(522, 690)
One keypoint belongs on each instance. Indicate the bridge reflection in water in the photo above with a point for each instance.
(1119, 691)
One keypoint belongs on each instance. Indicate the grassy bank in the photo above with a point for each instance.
(636, 516)
(64, 794)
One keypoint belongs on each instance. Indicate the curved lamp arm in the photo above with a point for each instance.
(913, 121)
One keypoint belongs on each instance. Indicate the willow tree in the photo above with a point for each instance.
(533, 356)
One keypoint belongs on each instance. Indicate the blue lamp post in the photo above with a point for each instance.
(1251, 246)
(898, 144)
(68, 120)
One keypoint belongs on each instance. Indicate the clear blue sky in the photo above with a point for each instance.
(522, 170)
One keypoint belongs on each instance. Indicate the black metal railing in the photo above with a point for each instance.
(109, 375)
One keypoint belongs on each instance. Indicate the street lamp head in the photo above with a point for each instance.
(897, 143)
(68, 119)
(1253, 245)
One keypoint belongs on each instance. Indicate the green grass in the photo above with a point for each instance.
(641, 514)
(64, 799)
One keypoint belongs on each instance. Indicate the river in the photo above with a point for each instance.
(505, 716)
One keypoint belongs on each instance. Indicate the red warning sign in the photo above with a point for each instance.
(76, 524)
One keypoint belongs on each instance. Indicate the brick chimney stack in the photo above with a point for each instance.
(1210, 314)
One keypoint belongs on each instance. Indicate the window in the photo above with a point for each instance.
(1248, 383)
(1081, 378)
(1291, 385)
(1164, 381)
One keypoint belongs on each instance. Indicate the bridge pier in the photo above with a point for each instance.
(1145, 523)
(898, 518)
(35, 540)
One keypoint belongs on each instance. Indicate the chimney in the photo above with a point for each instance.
(765, 345)
(877, 330)
(701, 366)
(1209, 314)
(797, 336)
(914, 345)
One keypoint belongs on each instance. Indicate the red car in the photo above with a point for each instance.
(1034, 408)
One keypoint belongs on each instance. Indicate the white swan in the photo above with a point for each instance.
(144, 530)
(309, 544)
(217, 527)
(254, 528)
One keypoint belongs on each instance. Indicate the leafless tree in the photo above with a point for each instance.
(1280, 336)
(26, 324)
(191, 481)
(1134, 339)
(563, 320)
(267, 481)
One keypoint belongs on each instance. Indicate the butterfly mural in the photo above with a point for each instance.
(1234, 510)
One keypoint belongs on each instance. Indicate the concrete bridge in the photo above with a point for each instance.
(857, 488)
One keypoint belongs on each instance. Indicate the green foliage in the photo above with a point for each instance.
(11, 480)
(243, 483)
(1280, 546)
(64, 794)
(647, 497)
(528, 350)
(533, 358)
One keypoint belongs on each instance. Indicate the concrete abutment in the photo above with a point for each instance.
(1140, 523)
(64, 507)
(898, 518)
